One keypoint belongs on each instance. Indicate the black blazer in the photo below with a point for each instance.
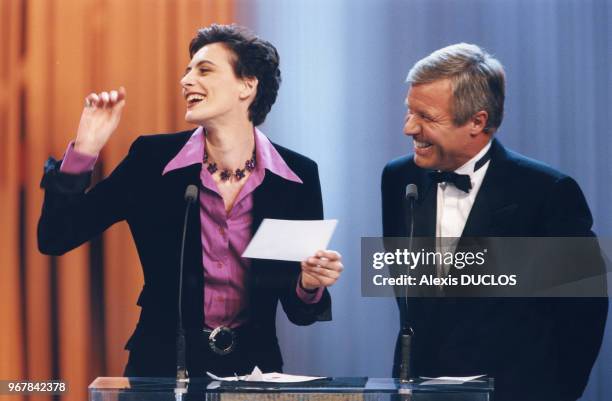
(154, 207)
(538, 348)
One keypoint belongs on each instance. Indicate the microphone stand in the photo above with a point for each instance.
(407, 332)
(182, 376)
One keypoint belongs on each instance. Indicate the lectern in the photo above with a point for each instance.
(331, 389)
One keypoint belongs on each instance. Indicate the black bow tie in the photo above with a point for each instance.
(461, 181)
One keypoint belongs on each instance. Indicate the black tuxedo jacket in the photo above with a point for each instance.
(535, 348)
(153, 206)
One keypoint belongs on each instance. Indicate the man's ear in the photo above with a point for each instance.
(249, 87)
(479, 122)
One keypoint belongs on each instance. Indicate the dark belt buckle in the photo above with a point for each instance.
(222, 340)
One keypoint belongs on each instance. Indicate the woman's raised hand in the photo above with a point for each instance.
(100, 118)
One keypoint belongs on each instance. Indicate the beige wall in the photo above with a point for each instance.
(52, 54)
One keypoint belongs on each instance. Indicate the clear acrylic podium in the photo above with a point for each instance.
(332, 389)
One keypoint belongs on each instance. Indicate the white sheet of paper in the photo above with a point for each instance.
(293, 240)
(449, 380)
(272, 377)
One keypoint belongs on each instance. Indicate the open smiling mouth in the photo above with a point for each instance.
(194, 99)
(421, 144)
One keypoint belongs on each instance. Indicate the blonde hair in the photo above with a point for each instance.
(477, 80)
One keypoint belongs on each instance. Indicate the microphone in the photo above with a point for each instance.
(182, 377)
(191, 194)
(412, 195)
(412, 191)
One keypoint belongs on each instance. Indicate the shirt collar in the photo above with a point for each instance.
(468, 168)
(271, 160)
(191, 153)
(267, 155)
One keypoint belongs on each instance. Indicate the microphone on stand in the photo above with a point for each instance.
(182, 377)
(412, 195)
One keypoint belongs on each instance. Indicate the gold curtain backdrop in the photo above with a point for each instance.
(68, 317)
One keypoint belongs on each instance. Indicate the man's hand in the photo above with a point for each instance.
(321, 270)
(99, 120)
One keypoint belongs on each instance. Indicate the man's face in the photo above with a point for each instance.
(211, 88)
(438, 143)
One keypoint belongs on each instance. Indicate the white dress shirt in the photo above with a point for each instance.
(454, 205)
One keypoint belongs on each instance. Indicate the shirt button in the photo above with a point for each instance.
(220, 265)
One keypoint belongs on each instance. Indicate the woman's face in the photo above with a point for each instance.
(211, 89)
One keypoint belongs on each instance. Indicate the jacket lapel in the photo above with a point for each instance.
(425, 209)
(492, 197)
(174, 184)
(270, 200)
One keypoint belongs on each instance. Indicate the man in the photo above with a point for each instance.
(228, 302)
(471, 186)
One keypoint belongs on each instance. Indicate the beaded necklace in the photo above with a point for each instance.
(226, 174)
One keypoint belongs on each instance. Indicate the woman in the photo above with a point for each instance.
(229, 303)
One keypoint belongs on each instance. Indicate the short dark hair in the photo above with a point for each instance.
(255, 57)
